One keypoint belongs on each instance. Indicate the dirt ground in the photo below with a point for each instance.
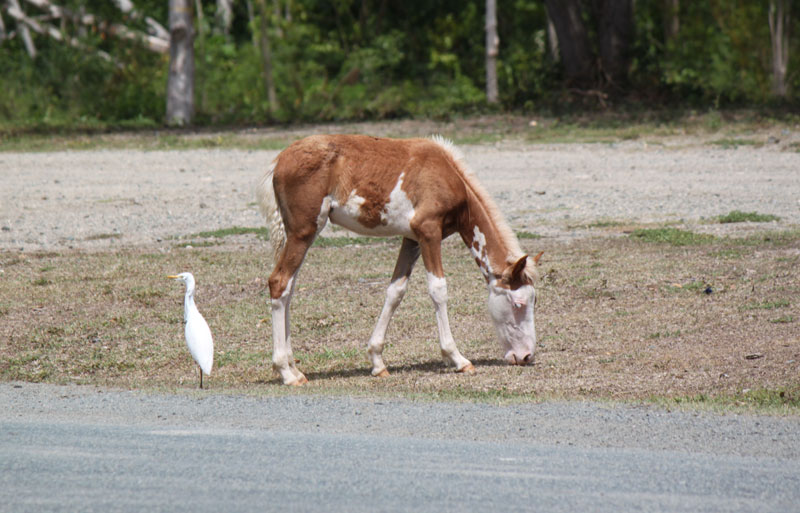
(87, 238)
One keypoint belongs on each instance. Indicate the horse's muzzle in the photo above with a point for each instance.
(515, 359)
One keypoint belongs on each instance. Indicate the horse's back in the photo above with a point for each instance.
(374, 185)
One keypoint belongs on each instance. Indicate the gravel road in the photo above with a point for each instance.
(100, 199)
(79, 448)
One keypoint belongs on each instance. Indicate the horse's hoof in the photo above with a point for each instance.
(302, 380)
(467, 369)
(382, 374)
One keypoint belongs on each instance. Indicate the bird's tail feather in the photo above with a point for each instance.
(265, 194)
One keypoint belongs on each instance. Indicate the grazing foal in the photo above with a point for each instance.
(418, 188)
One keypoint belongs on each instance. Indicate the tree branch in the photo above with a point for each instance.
(153, 43)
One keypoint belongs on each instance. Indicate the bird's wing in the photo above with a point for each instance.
(198, 338)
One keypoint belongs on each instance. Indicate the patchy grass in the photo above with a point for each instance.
(767, 305)
(731, 143)
(621, 330)
(341, 242)
(780, 401)
(737, 216)
(261, 232)
(527, 235)
(726, 129)
(104, 236)
(605, 223)
(671, 236)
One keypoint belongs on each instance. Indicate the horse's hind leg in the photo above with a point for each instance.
(281, 288)
(409, 253)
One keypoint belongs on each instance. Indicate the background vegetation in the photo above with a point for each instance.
(378, 59)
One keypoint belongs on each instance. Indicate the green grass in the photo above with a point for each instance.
(527, 235)
(340, 242)
(737, 216)
(77, 138)
(607, 127)
(693, 286)
(728, 143)
(767, 305)
(104, 236)
(605, 223)
(672, 236)
(761, 400)
(261, 232)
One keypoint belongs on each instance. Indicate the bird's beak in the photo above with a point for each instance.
(172, 277)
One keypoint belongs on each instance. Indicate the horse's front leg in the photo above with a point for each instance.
(431, 249)
(409, 253)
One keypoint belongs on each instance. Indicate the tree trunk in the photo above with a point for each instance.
(779, 37)
(573, 41)
(492, 50)
(552, 39)
(615, 33)
(266, 56)
(2, 27)
(224, 16)
(23, 30)
(672, 20)
(180, 82)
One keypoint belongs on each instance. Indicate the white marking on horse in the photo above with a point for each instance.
(322, 217)
(395, 217)
(478, 250)
(399, 211)
(437, 288)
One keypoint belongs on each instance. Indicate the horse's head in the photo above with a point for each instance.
(511, 301)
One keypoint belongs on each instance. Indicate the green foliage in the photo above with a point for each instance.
(737, 216)
(372, 59)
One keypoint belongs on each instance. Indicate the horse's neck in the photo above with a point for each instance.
(484, 240)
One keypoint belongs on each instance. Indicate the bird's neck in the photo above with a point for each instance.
(188, 305)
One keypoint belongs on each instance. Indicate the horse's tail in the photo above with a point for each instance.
(265, 193)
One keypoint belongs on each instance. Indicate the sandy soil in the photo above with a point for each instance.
(111, 198)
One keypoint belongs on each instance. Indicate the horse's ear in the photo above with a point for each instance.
(537, 257)
(518, 270)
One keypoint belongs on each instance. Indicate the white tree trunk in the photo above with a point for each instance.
(2, 27)
(492, 50)
(180, 81)
(224, 16)
(22, 28)
(779, 37)
(552, 39)
(266, 56)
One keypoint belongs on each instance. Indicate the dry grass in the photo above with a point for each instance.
(617, 318)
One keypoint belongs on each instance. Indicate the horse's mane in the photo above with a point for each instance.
(484, 199)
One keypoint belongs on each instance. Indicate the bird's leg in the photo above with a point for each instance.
(201, 378)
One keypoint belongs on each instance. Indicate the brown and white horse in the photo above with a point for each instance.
(418, 188)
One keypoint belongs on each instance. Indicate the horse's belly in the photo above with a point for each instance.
(363, 217)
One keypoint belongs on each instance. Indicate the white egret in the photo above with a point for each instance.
(198, 334)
